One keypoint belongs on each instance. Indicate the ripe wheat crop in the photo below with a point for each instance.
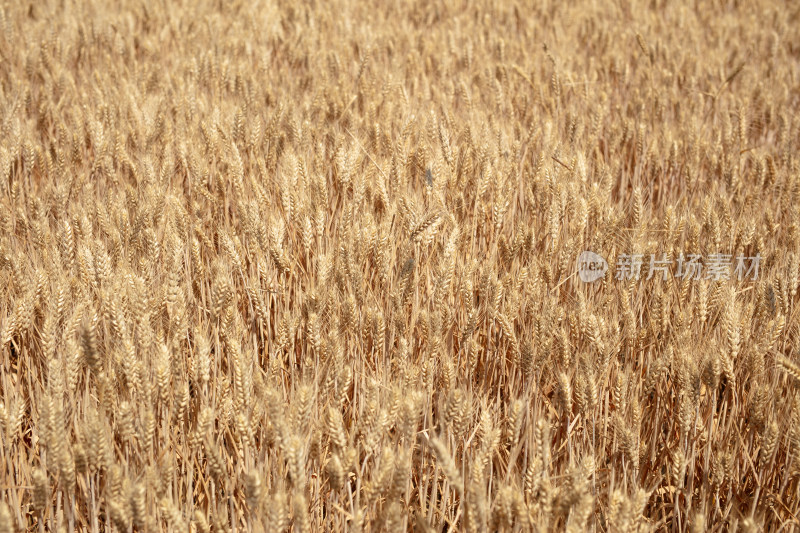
(272, 266)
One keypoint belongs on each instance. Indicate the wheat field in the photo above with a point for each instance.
(267, 266)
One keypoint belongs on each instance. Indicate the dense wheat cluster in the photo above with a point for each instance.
(279, 267)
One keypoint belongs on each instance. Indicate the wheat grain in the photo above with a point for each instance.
(253, 278)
